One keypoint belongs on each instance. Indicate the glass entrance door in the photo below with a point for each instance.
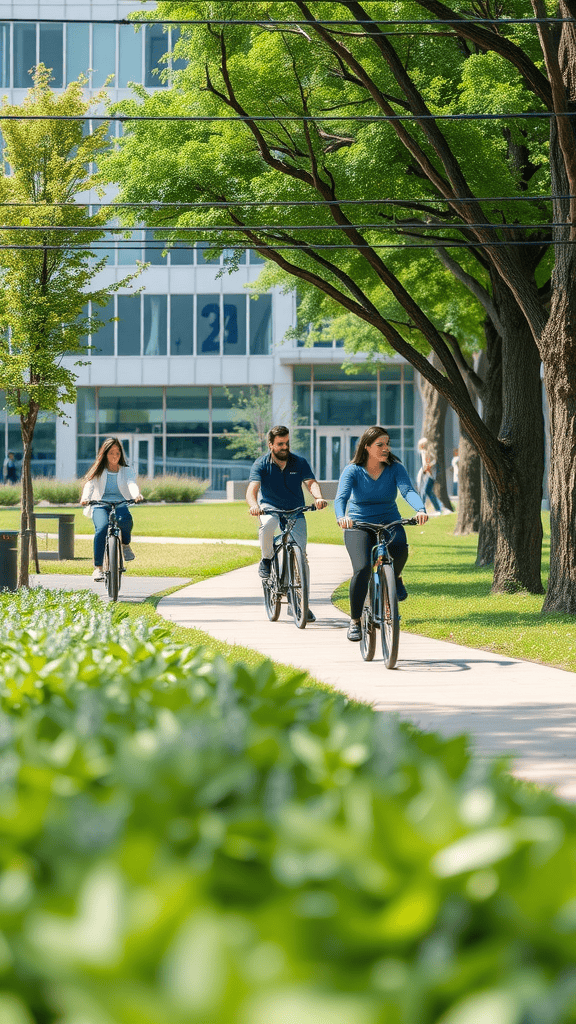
(335, 446)
(139, 449)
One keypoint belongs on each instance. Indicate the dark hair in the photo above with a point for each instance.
(277, 432)
(370, 435)
(101, 459)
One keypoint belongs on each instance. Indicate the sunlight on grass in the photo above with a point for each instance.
(190, 561)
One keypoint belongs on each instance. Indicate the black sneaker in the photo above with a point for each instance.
(264, 568)
(354, 631)
(401, 592)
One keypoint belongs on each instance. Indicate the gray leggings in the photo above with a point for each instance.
(359, 544)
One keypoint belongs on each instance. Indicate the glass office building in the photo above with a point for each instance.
(166, 372)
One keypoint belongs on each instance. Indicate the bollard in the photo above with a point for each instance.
(66, 536)
(8, 559)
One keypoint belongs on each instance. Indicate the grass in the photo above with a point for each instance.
(218, 519)
(193, 562)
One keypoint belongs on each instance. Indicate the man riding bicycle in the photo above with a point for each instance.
(276, 481)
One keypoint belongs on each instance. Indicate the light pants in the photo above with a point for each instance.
(269, 525)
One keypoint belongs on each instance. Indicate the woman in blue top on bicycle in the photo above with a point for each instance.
(110, 479)
(367, 493)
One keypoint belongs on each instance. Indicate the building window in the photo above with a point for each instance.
(130, 55)
(25, 57)
(155, 47)
(181, 325)
(260, 307)
(128, 326)
(52, 52)
(4, 55)
(155, 325)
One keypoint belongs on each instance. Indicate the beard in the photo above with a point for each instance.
(282, 456)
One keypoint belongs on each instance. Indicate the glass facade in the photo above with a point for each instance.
(334, 407)
(121, 53)
(159, 325)
(44, 447)
(185, 427)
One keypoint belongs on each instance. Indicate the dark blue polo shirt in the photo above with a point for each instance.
(281, 488)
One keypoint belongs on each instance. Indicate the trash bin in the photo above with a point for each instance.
(8, 559)
(66, 535)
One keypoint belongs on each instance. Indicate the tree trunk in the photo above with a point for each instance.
(560, 381)
(468, 519)
(27, 532)
(435, 409)
(490, 369)
(518, 556)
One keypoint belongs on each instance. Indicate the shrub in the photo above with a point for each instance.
(169, 487)
(172, 487)
(186, 841)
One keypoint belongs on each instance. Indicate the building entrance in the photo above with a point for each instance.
(335, 446)
(139, 449)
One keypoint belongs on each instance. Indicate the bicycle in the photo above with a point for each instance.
(113, 565)
(380, 609)
(287, 569)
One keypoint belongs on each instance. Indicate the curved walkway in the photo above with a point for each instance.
(509, 707)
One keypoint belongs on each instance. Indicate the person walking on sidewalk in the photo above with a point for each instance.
(427, 479)
(110, 479)
(276, 481)
(367, 492)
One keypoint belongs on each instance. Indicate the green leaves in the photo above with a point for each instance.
(190, 842)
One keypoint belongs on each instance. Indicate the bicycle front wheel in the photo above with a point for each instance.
(298, 586)
(368, 641)
(271, 588)
(389, 617)
(114, 559)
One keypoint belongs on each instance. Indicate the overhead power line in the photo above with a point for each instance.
(366, 118)
(117, 229)
(447, 243)
(273, 23)
(154, 204)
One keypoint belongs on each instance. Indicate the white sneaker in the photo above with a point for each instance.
(447, 512)
(98, 574)
(432, 514)
(129, 555)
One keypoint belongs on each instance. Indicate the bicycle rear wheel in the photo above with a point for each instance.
(368, 641)
(389, 617)
(298, 586)
(114, 560)
(271, 588)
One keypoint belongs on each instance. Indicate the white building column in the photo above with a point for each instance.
(66, 444)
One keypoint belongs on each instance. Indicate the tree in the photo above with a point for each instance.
(435, 171)
(46, 260)
(253, 415)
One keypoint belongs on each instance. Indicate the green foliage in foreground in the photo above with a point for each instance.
(188, 842)
(169, 487)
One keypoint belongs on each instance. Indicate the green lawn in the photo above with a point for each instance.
(193, 561)
(220, 519)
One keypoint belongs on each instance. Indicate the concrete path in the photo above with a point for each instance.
(507, 706)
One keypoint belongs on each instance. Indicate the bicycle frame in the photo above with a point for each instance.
(287, 554)
(113, 533)
(381, 606)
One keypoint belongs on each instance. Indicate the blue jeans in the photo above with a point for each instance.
(428, 492)
(100, 519)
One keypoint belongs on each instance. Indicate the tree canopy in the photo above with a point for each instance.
(337, 150)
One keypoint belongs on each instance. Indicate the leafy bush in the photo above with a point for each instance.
(172, 487)
(186, 842)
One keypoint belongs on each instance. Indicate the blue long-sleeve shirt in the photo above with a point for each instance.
(374, 501)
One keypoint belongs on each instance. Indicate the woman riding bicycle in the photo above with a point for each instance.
(110, 479)
(367, 493)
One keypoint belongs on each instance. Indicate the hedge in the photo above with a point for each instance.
(184, 841)
(169, 487)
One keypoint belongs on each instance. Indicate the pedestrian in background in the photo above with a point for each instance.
(10, 469)
(427, 478)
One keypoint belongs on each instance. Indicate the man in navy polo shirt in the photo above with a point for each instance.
(276, 481)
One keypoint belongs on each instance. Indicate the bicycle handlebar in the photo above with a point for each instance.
(385, 526)
(114, 504)
(288, 511)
